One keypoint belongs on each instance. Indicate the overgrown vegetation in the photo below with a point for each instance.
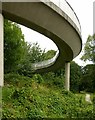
(25, 97)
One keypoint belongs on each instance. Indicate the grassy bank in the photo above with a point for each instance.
(25, 97)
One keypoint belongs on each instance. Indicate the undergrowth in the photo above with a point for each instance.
(25, 97)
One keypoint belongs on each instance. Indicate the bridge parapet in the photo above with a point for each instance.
(67, 9)
(45, 63)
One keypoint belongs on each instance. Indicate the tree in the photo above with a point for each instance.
(14, 46)
(50, 54)
(88, 77)
(89, 49)
(34, 54)
(75, 76)
(87, 82)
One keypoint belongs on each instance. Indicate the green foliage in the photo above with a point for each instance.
(38, 78)
(12, 79)
(60, 72)
(87, 82)
(49, 54)
(37, 100)
(33, 54)
(18, 55)
(52, 79)
(14, 46)
(75, 76)
(89, 49)
(88, 77)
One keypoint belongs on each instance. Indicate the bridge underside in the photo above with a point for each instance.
(40, 17)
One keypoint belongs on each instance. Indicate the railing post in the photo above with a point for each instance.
(1, 50)
(67, 76)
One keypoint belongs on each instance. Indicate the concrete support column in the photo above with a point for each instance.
(67, 76)
(1, 50)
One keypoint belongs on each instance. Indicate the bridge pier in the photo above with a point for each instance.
(1, 50)
(67, 76)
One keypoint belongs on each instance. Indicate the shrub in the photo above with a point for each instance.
(38, 78)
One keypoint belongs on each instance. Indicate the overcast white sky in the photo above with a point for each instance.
(84, 11)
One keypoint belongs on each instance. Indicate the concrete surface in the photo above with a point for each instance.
(50, 20)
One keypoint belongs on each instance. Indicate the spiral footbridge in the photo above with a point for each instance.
(53, 18)
(56, 20)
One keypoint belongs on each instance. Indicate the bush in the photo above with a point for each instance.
(12, 79)
(38, 78)
(52, 80)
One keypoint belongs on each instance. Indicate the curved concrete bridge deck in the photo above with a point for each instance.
(54, 19)
(57, 21)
